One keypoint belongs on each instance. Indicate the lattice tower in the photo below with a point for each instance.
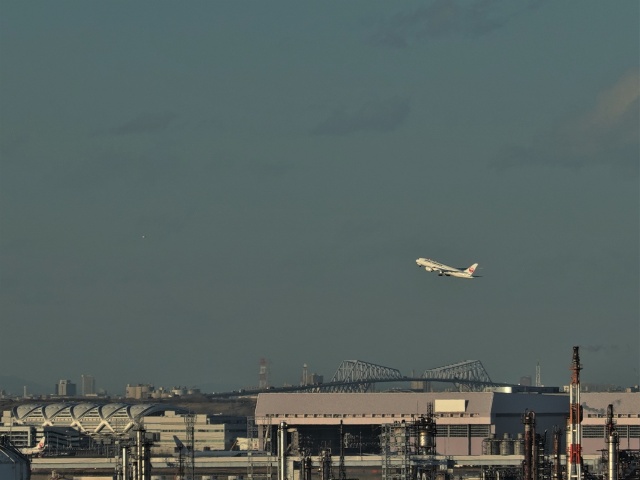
(189, 462)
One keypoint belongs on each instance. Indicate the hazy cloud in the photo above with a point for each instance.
(380, 116)
(605, 134)
(600, 348)
(601, 411)
(447, 18)
(149, 122)
(184, 207)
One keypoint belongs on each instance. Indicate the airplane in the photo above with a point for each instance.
(433, 266)
(37, 450)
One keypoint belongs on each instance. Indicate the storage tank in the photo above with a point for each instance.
(13, 465)
(495, 445)
(491, 445)
(518, 445)
(506, 445)
(426, 435)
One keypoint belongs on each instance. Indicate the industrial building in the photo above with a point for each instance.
(467, 423)
(210, 432)
(465, 420)
(626, 419)
(376, 432)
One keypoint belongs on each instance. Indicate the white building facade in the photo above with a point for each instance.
(465, 422)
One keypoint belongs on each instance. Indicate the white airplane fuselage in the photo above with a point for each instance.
(445, 270)
(37, 450)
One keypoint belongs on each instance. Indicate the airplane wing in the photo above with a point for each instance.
(445, 268)
(432, 265)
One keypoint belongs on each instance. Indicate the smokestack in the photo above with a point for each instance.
(529, 420)
(574, 455)
(143, 460)
(282, 451)
(613, 443)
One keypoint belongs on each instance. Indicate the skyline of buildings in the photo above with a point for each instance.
(65, 388)
(349, 370)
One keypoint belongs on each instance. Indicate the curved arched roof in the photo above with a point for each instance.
(88, 417)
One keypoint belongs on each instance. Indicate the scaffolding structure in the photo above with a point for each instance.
(409, 449)
(396, 451)
(258, 439)
(189, 461)
(134, 457)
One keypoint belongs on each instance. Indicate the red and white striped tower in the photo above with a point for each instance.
(574, 455)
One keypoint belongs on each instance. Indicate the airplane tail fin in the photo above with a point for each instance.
(471, 269)
(179, 444)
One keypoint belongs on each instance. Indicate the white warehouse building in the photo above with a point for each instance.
(465, 421)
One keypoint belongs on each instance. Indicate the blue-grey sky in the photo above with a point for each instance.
(189, 187)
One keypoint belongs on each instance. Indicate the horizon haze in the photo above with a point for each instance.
(188, 188)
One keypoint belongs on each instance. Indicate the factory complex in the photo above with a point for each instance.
(503, 433)
(467, 423)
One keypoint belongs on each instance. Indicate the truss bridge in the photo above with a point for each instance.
(358, 376)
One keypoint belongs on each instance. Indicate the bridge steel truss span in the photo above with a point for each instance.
(472, 374)
(356, 376)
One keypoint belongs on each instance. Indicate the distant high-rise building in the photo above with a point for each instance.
(88, 385)
(525, 381)
(263, 376)
(65, 388)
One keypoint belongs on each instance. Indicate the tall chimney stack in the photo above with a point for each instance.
(574, 455)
